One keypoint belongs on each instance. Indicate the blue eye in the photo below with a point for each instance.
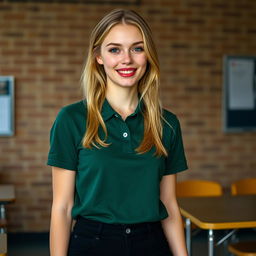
(138, 49)
(114, 50)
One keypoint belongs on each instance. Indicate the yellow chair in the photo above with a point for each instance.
(3, 244)
(198, 188)
(247, 248)
(244, 187)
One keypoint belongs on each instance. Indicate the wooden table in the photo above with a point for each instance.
(215, 213)
(7, 195)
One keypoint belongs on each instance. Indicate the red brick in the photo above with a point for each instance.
(220, 6)
(182, 12)
(5, 7)
(24, 61)
(14, 52)
(38, 52)
(10, 71)
(4, 43)
(196, 4)
(13, 34)
(14, 16)
(27, 44)
(36, 71)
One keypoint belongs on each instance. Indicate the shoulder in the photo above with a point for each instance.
(72, 116)
(170, 119)
(76, 107)
(73, 111)
(171, 127)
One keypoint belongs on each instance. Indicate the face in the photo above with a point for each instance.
(123, 57)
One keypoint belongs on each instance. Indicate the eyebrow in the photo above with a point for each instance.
(116, 44)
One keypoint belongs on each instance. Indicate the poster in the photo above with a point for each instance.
(239, 94)
(6, 105)
(241, 78)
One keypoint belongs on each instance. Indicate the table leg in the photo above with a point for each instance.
(2, 217)
(188, 236)
(210, 243)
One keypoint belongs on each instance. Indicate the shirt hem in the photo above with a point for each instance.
(181, 169)
(60, 164)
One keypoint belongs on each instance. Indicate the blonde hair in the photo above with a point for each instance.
(94, 85)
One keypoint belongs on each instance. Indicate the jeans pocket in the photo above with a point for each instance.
(80, 244)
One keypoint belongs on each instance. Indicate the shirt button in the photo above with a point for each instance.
(116, 115)
(125, 134)
(128, 231)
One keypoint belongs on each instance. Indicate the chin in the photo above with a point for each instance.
(129, 85)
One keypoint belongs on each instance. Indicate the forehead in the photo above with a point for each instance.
(123, 34)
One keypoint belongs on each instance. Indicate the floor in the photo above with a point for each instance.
(36, 244)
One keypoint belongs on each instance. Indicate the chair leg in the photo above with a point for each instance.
(3, 244)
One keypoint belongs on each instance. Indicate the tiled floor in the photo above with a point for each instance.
(21, 244)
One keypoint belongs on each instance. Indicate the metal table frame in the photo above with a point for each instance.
(217, 213)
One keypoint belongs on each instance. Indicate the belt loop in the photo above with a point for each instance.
(99, 231)
(149, 227)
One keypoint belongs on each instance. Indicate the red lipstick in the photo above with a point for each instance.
(126, 72)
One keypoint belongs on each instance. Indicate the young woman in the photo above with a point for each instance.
(115, 154)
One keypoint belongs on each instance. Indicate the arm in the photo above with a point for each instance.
(63, 183)
(172, 225)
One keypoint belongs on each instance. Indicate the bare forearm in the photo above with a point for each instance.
(174, 232)
(60, 232)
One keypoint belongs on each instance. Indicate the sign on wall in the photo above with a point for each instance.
(239, 98)
(6, 105)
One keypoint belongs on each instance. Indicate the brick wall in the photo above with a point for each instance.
(44, 47)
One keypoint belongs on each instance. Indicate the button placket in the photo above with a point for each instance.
(124, 130)
(125, 136)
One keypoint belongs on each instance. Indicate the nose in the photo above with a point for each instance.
(127, 58)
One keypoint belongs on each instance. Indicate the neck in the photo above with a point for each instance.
(123, 100)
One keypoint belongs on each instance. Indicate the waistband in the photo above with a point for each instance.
(127, 229)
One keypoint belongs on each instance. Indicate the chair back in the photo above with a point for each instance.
(198, 188)
(244, 187)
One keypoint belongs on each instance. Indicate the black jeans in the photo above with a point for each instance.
(94, 238)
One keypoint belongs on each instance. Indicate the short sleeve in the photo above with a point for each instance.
(63, 145)
(176, 159)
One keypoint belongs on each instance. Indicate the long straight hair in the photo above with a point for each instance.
(94, 85)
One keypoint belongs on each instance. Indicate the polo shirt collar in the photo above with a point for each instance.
(108, 112)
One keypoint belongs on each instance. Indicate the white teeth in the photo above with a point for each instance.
(125, 71)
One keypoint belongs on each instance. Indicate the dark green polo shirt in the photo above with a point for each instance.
(114, 184)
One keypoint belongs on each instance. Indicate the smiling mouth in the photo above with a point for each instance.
(126, 72)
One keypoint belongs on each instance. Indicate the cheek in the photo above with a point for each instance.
(110, 62)
(142, 60)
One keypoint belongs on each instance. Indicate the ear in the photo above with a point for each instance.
(99, 60)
